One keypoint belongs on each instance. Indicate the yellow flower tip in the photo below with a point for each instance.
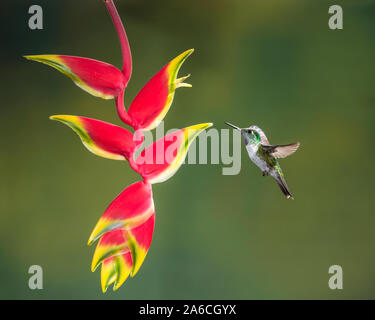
(201, 126)
(177, 62)
(63, 118)
(71, 121)
(116, 286)
(101, 227)
(137, 267)
(209, 124)
(94, 265)
(97, 259)
(32, 57)
(90, 242)
(183, 56)
(94, 235)
(45, 58)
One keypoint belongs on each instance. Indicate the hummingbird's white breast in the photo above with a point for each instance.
(252, 150)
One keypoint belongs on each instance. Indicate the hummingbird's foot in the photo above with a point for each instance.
(264, 173)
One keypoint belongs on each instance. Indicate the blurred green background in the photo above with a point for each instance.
(272, 63)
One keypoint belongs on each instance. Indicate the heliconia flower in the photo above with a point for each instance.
(97, 78)
(126, 226)
(102, 138)
(160, 161)
(115, 256)
(111, 244)
(116, 269)
(132, 207)
(136, 240)
(152, 103)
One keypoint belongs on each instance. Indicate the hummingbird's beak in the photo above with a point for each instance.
(232, 125)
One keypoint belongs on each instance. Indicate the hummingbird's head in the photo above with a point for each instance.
(250, 135)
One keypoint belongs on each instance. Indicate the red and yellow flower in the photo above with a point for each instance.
(126, 227)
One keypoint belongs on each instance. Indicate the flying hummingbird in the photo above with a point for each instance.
(265, 155)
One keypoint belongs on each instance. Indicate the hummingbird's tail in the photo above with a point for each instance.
(283, 186)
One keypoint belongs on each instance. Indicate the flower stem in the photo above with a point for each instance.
(121, 110)
(125, 48)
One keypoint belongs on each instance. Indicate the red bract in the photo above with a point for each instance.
(102, 138)
(125, 229)
(95, 77)
(161, 160)
(132, 207)
(152, 103)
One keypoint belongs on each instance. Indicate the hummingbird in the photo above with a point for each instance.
(265, 155)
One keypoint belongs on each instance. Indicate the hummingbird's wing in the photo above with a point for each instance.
(281, 151)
